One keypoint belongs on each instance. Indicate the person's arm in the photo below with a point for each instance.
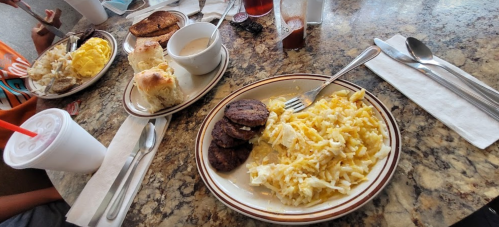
(10, 2)
(44, 41)
(15, 204)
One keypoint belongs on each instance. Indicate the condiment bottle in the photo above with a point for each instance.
(293, 23)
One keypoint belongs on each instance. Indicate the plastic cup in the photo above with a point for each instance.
(61, 144)
(90, 9)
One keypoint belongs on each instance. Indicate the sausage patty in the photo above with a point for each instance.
(227, 159)
(238, 131)
(222, 139)
(247, 112)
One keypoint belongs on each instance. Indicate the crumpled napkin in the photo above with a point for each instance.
(118, 151)
(471, 123)
(213, 9)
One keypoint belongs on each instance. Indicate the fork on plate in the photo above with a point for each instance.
(306, 99)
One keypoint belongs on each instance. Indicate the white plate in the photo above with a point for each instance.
(194, 87)
(129, 44)
(233, 188)
(34, 87)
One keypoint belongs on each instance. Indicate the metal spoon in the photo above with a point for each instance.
(423, 55)
(231, 3)
(240, 17)
(146, 145)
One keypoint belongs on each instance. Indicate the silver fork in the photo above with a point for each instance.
(304, 100)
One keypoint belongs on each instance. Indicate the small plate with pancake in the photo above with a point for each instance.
(193, 87)
(233, 188)
(38, 90)
(131, 40)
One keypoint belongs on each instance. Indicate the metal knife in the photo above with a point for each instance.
(478, 101)
(47, 25)
(114, 187)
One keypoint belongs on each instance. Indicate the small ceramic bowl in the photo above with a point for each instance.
(202, 62)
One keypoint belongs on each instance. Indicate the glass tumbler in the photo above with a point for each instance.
(293, 23)
(315, 12)
(258, 8)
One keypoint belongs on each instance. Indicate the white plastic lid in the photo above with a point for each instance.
(46, 125)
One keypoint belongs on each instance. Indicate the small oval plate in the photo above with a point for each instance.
(194, 87)
(130, 40)
(35, 88)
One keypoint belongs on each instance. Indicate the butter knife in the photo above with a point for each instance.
(483, 104)
(47, 25)
(114, 187)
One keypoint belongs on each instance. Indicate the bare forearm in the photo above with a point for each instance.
(18, 203)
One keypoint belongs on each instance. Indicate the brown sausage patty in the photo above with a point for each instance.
(222, 139)
(247, 112)
(238, 131)
(227, 159)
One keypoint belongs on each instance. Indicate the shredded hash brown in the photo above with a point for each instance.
(305, 158)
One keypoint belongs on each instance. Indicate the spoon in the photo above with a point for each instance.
(231, 3)
(147, 141)
(423, 55)
(240, 17)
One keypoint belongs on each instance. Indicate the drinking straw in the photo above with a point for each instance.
(16, 128)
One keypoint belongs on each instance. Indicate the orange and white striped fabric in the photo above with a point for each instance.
(16, 103)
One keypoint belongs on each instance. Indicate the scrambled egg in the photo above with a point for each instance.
(310, 156)
(91, 57)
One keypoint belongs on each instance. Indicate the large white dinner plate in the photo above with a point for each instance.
(194, 87)
(129, 43)
(37, 89)
(233, 188)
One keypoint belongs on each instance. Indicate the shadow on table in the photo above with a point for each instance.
(487, 216)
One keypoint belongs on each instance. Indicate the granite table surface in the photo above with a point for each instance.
(440, 179)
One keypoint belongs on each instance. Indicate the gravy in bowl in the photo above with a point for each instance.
(194, 47)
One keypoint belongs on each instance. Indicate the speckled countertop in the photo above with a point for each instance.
(440, 179)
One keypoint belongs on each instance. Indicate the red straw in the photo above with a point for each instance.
(16, 128)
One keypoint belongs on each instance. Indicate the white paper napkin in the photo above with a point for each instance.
(213, 9)
(187, 7)
(97, 187)
(471, 123)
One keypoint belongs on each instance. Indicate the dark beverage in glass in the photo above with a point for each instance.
(258, 8)
(296, 39)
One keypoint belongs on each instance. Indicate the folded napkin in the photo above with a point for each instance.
(471, 123)
(118, 151)
(213, 9)
(187, 7)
